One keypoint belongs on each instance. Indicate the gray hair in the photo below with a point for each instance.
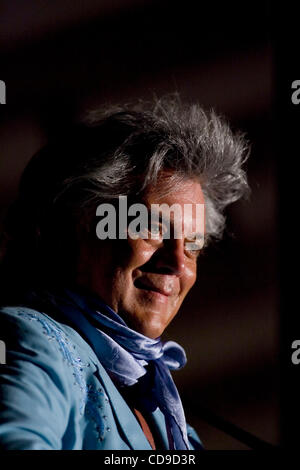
(169, 135)
(119, 151)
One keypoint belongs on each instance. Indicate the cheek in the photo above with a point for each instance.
(125, 255)
(189, 278)
(127, 259)
(139, 252)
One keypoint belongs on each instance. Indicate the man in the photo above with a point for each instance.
(99, 252)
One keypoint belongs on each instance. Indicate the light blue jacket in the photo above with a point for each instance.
(55, 394)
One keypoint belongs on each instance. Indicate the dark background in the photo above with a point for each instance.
(61, 57)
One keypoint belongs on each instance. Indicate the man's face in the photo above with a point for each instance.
(146, 280)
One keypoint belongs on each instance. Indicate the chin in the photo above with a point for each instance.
(153, 334)
(149, 319)
(151, 329)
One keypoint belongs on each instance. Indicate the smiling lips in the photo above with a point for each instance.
(160, 287)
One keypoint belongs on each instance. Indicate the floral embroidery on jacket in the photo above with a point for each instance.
(90, 402)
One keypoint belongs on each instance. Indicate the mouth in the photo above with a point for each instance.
(152, 288)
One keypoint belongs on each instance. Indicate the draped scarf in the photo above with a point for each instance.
(125, 354)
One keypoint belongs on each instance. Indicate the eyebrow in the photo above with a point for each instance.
(190, 237)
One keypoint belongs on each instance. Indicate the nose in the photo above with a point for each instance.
(169, 258)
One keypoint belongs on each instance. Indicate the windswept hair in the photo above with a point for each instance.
(118, 151)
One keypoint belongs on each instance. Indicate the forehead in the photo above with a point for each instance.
(170, 190)
(187, 196)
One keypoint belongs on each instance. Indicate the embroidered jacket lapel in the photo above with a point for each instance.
(123, 414)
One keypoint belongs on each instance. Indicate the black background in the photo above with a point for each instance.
(59, 58)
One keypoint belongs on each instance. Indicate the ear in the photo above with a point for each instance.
(85, 228)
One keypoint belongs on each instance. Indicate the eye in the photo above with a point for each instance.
(155, 229)
(138, 232)
(194, 247)
(190, 246)
(158, 230)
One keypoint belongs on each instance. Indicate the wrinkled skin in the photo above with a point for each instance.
(145, 280)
